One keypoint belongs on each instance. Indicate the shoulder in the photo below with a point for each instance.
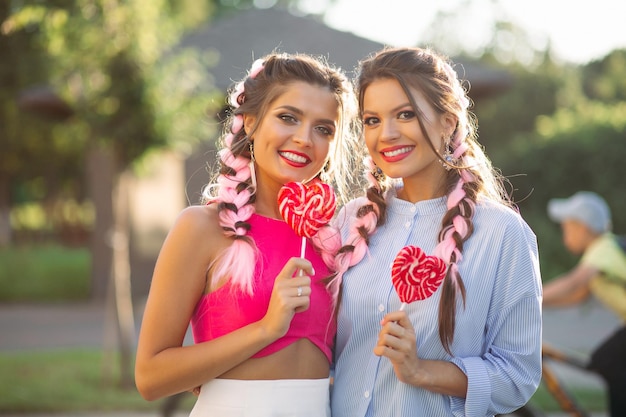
(197, 224)
(499, 220)
(198, 217)
(494, 212)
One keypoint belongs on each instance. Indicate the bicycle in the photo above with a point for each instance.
(563, 396)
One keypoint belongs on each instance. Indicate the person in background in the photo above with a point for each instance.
(473, 348)
(586, 224)
(262, 317)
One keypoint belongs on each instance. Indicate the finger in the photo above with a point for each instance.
(395, 316)
(294, 265)
(391, 335)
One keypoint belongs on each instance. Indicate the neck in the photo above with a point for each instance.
(414, 193)
(266, 203)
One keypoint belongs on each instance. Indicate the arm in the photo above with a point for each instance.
(570, 288)
(163, 365)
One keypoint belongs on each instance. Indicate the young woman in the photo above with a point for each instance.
(262, 317)
(474, 347)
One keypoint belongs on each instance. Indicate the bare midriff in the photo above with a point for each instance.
(300, 360)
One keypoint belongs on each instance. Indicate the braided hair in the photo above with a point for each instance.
(469, 175)
(235, 187)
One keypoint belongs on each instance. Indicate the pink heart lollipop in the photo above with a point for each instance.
(307, 208)
(415, 275)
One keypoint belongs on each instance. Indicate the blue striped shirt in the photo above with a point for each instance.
(497, 339)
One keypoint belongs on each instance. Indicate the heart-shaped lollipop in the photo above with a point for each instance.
(307, 208)
(415, 275)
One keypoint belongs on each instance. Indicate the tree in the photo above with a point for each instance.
(109, 58)
(604, 79)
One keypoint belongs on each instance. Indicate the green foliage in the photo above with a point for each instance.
(580, 148)
(535, 92)
(604, 79)
(48, 273)
(110, 61)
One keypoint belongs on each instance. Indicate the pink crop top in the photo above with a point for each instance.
(224, 311)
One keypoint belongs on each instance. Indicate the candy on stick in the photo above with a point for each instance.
(306, 207)
(415, 275)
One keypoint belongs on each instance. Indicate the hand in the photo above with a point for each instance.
(290, 295)
(396, 341)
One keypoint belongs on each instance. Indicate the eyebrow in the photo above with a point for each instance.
(300, 112)
(395, 109)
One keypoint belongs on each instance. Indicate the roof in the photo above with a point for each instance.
(240, 38)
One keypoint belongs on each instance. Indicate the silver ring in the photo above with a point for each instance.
(299, 291)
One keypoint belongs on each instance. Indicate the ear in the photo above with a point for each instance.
(249, 123)
(449, 122)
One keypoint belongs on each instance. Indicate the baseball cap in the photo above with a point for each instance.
(584, 206)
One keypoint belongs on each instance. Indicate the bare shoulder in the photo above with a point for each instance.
(199, 227)
(199, 217)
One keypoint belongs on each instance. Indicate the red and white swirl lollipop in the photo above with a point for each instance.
(306, 207)
(415, 275)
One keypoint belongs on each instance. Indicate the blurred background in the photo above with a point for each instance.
(109, 112)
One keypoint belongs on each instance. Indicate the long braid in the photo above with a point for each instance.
(236, 189)
(366, 219)
(457, 225)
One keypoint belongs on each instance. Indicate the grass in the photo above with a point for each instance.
(65, 381)
(48, 273)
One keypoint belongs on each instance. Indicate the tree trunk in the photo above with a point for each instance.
(100, 185)
(111, 282)
(5, 212)
(120, 293)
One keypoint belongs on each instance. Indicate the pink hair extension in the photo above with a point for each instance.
(257, 66)
(328, 241)
(455, 197)
(356, 244)
(237, 262)
(459, 92)
(370, 168)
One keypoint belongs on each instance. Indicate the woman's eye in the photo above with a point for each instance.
(326, 131)
(406, 115)
(369, 121)
(287, 118)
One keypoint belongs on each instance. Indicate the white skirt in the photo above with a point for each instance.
(264, 398)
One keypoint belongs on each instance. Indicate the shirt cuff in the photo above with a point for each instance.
(478, 396)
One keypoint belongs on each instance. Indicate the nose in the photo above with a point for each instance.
(388, 130)
(303, 135)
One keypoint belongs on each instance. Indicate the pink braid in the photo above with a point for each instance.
(237, 262)
(362, 225)
(370, 170)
